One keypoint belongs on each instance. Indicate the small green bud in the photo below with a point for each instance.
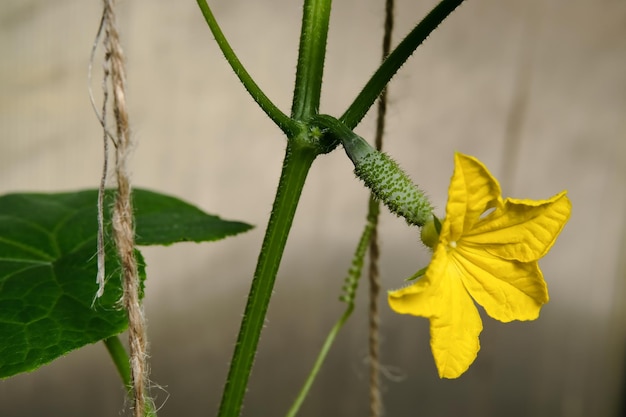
(388, 181)
(430, 232)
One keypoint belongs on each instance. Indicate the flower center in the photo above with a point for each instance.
(452, 244)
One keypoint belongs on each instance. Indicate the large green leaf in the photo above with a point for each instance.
(48, 268)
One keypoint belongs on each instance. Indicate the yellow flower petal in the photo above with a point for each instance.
(454, 334)
(454, 320)
(472, 191)
(422, 298)
(487, 257)
(522, 230)
(507, 290)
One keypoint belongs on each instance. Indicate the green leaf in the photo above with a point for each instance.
(48, 268)
(418, 274)
(163, 220)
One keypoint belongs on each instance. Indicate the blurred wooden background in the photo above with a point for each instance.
(535, 88)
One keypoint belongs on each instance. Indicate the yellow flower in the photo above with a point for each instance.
(487, 251)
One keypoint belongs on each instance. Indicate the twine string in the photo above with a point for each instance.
(122, 222)
(101, 275)
(374, 247)
(102, 116)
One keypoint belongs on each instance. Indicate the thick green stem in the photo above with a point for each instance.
(298, 159)
(361, 104)
(282, 120)
(306, 96)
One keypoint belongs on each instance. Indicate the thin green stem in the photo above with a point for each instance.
(349, 293)
(282, 120)
(121, 360)
(298, 159)
(306, 96)
(361, 104)
(319, 361)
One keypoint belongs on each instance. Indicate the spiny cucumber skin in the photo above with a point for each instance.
(393, 187)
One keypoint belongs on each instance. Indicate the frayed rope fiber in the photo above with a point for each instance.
(123, 227)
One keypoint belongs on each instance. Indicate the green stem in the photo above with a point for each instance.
(361, 104)
(338, 130)
(282, 120)
(298, 159)
(321, 357)
(306, 96)
(349, 292)
(121, 360)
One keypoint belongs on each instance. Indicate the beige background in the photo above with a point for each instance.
(535, 89)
